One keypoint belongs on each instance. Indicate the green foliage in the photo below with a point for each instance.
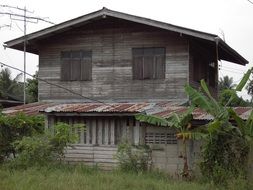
(10, 88)
(226, 83)
(40, 150)
(33, 151)
(69, 177)
(151, 119)
(134, 158)
(227, 146)
(63, 136)
(224, 157)
(13, 128)
(225, 96)
(32, 88)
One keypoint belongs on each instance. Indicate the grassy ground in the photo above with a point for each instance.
(75, 178)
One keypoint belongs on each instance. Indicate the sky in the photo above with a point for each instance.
(232, 20)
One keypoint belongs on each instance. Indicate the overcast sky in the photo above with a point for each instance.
(234, 18)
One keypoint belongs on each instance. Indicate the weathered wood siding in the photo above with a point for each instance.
(203, 55)
(101, 156)
(111, 42)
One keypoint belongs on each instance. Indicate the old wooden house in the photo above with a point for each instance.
(118, 65)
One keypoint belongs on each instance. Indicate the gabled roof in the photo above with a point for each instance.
(230, 54)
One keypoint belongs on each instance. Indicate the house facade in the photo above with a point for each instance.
(102, 68)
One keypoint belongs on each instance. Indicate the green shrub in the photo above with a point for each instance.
(40, 150)
(224, 157)
(13, 128)
(133, 157)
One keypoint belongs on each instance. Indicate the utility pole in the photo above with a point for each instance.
(17, 16)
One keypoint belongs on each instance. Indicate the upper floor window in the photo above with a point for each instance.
(76, 65)
(148, 63)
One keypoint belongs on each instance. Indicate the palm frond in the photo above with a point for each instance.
(244, 80)
(199, 99)
(151, 119)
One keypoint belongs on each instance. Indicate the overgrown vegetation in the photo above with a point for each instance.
(43, 149)
(226, 146)
(133, 157)
(14, 128)
(25, 143)
(67, 177)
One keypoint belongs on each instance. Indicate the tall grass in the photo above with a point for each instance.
(63, 177)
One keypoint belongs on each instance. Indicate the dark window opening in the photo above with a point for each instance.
(148, 63)
(76, 65)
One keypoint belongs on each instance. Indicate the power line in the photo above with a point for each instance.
(250, 1)
(241, 73)
(57, 85)
(25, 19)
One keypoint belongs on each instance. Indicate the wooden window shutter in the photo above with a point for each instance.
(86, 65)
(159, 69)
(148, 65)
(75, 65)
(65, 65)
(138, 63)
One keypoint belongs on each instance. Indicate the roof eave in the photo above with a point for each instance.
(107, 12)
(240, 59)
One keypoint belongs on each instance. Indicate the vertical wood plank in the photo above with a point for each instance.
(112, 131)
(88, 126)
(100, 130)
(124, 130)
(46, 122)
(130, 131)
(94, 131)
(106, 132)
(136, 133)
(51, 124)
(82, 140)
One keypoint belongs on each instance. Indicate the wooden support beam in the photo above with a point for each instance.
(94, 131)
(51, 123)
(106, 132)
(88, 127)
(46, 122)
(112, 131)
(136, 133)
(100, 132)
(82, 138)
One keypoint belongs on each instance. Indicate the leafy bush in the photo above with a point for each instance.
(133, 157)
(35, 150)
(13, 128)
(43, 149)
(224, 157)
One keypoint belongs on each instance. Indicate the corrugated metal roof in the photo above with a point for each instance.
(28, 109)
(162, 109)
(99, 108)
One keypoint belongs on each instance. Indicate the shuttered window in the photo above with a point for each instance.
(148, 63)
(76, 65)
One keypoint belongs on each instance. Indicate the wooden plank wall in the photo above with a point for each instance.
(111, 42)
(97, 144)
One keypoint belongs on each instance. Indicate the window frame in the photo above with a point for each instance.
(67, 60)
(154, 71)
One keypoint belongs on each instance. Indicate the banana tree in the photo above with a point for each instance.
(184, 131)
(225, 139)
(221, 114)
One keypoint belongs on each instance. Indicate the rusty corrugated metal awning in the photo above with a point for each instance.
(162, 109)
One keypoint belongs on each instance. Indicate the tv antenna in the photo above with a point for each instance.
(25, 16)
